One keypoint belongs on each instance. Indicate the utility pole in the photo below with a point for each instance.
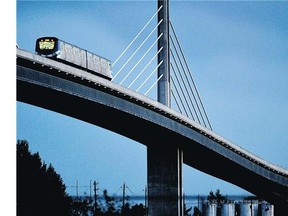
(123, 201)
(145, 201)
(198, 202)
(95, 197)
(90, 189)
(183, 203)
(77, 189)
(251, 207)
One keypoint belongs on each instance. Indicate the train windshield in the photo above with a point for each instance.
(46, 45)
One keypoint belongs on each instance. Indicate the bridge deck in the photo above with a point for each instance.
(203, 149)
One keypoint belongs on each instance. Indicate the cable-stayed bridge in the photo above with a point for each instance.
(64, 89)
(171, 137)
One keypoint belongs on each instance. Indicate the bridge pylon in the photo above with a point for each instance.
(164, 87)
(165, 193)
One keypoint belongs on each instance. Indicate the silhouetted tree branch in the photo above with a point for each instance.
(40, 190)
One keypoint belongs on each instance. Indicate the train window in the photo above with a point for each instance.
(46, 44)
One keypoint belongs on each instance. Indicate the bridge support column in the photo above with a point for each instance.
(165, 181)
(164, 161)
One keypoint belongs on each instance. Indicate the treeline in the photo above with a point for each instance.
(106, 206)
(41, 191)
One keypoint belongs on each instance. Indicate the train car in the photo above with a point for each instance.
(54, 48)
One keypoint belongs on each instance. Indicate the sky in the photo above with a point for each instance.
(237, 52)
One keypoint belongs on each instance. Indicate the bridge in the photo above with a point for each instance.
(173, 137)
(61, 88)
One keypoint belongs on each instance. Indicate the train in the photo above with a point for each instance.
(59, 50)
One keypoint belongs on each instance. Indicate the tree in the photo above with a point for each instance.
(217, 197)
(40, 190)
(197, 212)
(187, 210)
(110, 204)
(81, 207)
(135, 210)
(138, 210)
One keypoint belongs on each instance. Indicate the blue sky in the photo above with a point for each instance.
(237, 51)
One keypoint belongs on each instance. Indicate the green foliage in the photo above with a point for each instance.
(40, 190)
(106, 206)
(110, 208)
(136, 210)
(81, 207)
(217, 197)
(197, 212)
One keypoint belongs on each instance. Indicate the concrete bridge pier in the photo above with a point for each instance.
(165, 181)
